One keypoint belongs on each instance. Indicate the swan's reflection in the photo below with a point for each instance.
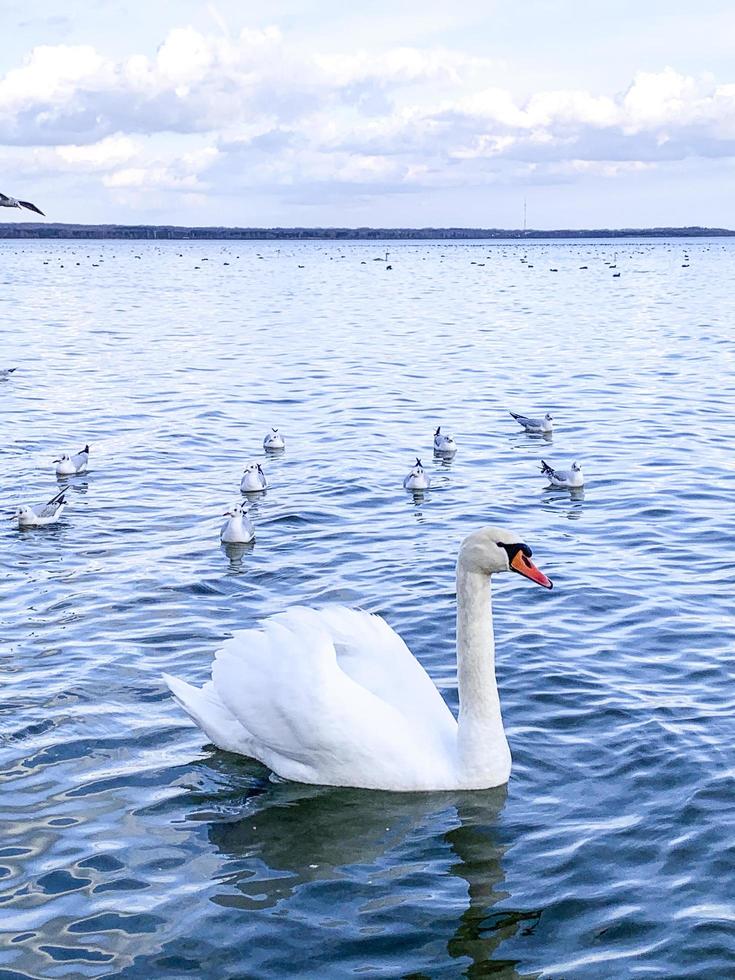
(286, 836)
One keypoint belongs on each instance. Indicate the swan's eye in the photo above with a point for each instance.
(513, 549)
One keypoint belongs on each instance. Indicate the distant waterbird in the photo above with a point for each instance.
(253, 479)
(563, 479)
(274, 440)
(67, 465)
(6, 372)
(42, 514)
(417, 478)
(444, 444)
(12, 202)
(545, 424)
(238, 529)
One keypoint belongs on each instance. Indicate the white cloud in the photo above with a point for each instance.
(220, 113)
(52, 76)
(112, 151)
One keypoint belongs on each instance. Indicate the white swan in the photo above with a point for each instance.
(570, 479)
(335, 697)
(67, 465)
(253, 479)
(444, 445)
(417, 478)
(274, 440)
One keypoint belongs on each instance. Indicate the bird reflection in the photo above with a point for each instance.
(288, 835)
(444, 460)
(236, 552)
(418, 497)
(568, 501)
(75, 484)
(253, 498)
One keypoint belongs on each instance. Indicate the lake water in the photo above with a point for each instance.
(129, 846)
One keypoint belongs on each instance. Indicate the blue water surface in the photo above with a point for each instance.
(128, 846)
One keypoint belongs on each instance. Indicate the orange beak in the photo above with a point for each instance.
(524, 566)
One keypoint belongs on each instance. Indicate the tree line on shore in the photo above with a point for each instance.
(172, 232)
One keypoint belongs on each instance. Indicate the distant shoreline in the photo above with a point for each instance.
(174, 233)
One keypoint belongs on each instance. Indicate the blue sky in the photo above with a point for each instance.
(402, 113)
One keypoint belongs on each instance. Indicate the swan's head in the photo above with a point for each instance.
(493, 549)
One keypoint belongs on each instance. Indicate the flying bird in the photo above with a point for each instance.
(11, 202)
(41, 514)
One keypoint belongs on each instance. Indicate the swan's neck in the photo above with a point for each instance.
(484, 756)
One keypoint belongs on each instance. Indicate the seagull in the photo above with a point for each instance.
(567, 479)
(69, 465)
(42, 514)
(417, 479)
(253, 479)
(444, 444)
(11, 202)
(6, 372)
(546, 424)
(239, 528)
(274, 440)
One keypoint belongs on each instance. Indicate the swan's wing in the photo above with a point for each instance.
(206, 709)
(370, 652)
(313, 721)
